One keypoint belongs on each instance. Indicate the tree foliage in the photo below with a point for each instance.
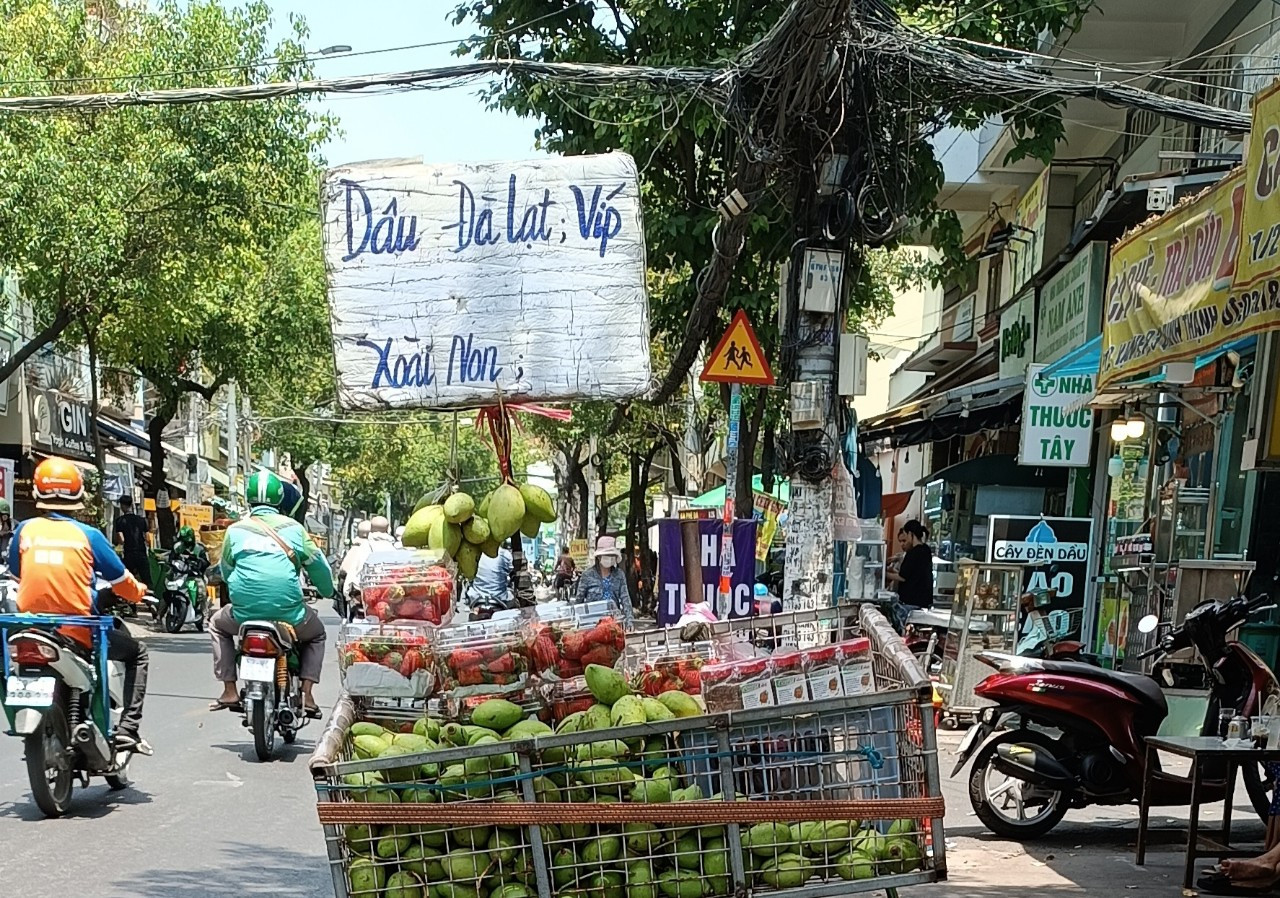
(167, 231)
(686, 153)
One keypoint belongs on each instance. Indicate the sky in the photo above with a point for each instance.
(450, 125)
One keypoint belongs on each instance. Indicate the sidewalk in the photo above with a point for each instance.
(1090, 852)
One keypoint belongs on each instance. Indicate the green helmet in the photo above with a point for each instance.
(264, 488)
(187, 537)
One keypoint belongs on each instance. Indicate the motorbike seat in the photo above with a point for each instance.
(1139, 685)
(283, 633)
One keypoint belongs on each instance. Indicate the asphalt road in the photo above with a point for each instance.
(204, 819)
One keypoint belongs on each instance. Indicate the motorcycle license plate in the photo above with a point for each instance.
(29, 692)
(260, 670)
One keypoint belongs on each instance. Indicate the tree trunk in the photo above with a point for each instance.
(52, 331)
(568, 509)
(304, 483)
(648, 576)
(635, 506)
(155, 432)
(585, 521)
(768, 459)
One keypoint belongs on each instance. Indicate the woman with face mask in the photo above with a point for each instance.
(604, 580)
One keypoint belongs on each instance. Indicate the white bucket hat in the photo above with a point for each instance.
(606, 545)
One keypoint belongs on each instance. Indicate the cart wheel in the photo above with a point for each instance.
(950, 722)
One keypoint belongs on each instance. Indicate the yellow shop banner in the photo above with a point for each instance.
(1260, 248)
(1169, 288)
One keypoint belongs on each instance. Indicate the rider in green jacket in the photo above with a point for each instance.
(262, 557)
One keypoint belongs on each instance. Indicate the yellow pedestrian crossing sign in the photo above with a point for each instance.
(738, 358)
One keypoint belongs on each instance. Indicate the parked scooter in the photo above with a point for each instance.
(65, 701)
(1024, 780)
(185, 599)
(270, 688)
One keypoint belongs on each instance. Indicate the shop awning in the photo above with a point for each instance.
(961, 411)
(998, 470)
(123, 433)
(715, 498)
(1082, 360)
(1087, 358)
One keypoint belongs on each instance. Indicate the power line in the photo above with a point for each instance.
(590, 74)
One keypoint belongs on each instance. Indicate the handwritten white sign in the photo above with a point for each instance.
(450, 283)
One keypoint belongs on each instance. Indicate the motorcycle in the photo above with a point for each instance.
(271, 690)
(65, 701)
(1024, 779)
(185, 599)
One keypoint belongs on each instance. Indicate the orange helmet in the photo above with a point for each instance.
(58, 483)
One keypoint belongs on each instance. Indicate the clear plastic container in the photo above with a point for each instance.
(657, 668)
(719, 690)
(407, 584)
(562, 648)
(377, 660)
(483, 657)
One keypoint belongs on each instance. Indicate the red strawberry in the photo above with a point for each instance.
(463, 659)
(651, 682)
(353, 656)
(573, 645)
(413, 661)
(393, 660)
(543, 652)
(411, 609)
(600, 654)
(504, 665)
(471, 676)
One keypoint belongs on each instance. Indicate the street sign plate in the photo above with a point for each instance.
(738, 358)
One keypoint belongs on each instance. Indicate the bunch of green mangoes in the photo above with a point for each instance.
(465, 531)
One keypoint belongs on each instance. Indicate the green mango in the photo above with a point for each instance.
(603, 850)
(392, 841)
(503, 847)
(682, 884)
(366, 877)
(360, 839)
(607, 884)
(462, 865)
(564, 867)
(424, 861)
(787, 871)
(641, 881)
(403, 885)
(855, 865)
(651, 791)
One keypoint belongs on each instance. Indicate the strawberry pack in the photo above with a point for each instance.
(563, 640)
(407, 584)
(483, 657)
(379, 660)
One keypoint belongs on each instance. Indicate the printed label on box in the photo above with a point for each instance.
(825, 684)
(858, 679)
(757, 695)
(792, 689)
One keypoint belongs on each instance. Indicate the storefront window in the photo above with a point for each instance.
(1126, 507)
(1236, 487)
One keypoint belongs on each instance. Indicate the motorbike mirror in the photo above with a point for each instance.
(1148, 624)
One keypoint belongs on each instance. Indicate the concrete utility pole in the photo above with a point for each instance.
(233, 439)
(193, 447)
(809, 564)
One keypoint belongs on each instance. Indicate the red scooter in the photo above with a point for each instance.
(1065, 735)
